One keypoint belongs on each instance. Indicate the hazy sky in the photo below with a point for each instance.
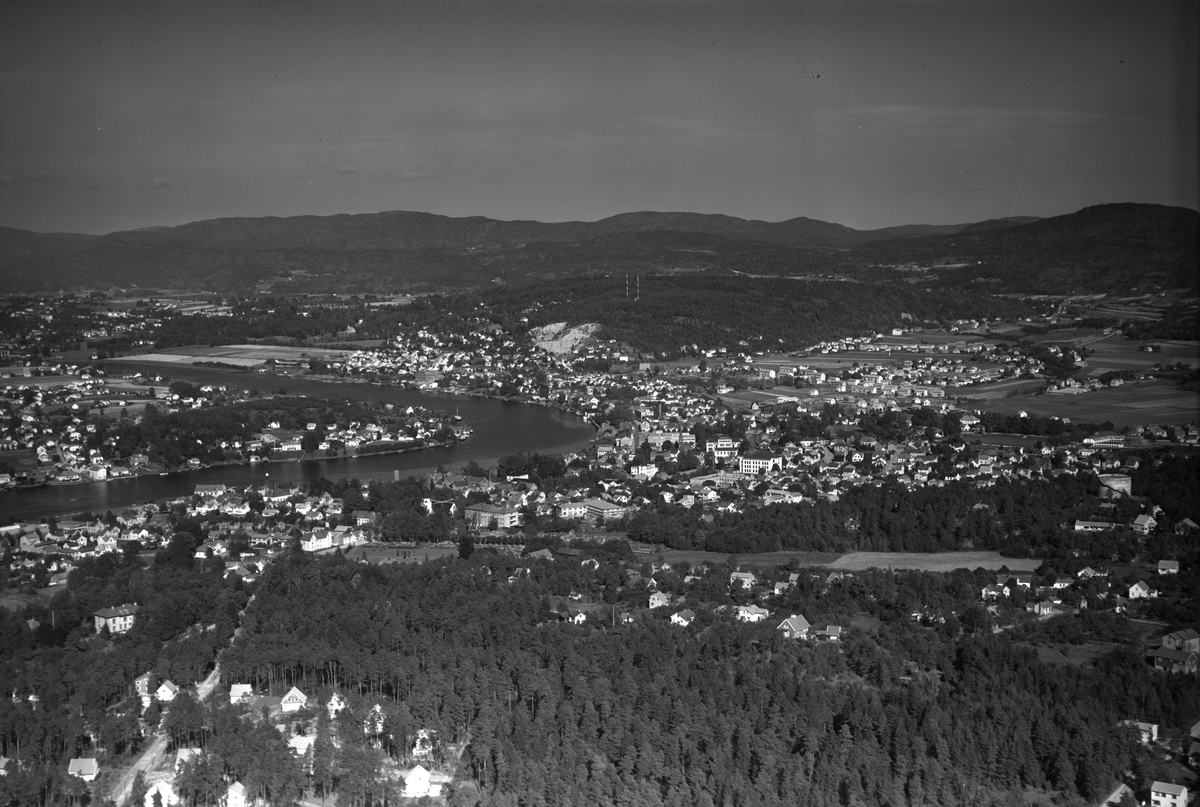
(119, 115)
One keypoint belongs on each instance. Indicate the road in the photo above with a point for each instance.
(152, 756)
(1115, 796)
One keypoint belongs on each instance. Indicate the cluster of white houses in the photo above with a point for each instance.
(486, 515)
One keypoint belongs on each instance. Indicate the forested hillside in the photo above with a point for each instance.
(1102, 248)
(68, 691)
(671, 312)
(717, 713)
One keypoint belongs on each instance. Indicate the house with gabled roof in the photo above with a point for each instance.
(683, 618)
(1168, 567)
(575, 616)
(1186, 639)
(416, 782)
(1140, 590)
(751, 613)
(240, 693)
(828, 633)
(1147, 732)
(794, 627)
(1185, 525)
(1180, 661)
(86, 768)
(293, 701)
(166, 692)
(1144, 524)
(1168, 794)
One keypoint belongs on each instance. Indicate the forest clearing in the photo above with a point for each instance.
(858, 561)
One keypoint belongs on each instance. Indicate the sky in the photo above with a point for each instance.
(119, 115)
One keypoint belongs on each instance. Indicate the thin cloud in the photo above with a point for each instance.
(27, 178)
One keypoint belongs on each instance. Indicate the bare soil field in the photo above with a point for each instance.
(932, 561)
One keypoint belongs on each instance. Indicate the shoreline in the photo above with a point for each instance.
(242, 464)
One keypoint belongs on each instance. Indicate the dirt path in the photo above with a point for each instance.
(153, 755)
(205, 687)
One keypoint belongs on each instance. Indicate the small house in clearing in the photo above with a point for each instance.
(417, 784)
(751, 613)
(794, 627)
(86, 769)
(683, 618)
(293, 701)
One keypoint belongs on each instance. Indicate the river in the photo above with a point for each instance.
(498, 428)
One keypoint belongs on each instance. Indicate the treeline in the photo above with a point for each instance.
(279, 319)
(1170, 480)
(220, 433)
(648, 713)
(1177, 322)
(674, 312)
(69, 691)
(1012, 516)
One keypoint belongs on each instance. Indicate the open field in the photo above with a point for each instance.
(261, 352)
(857, 561)
(762, 560)
(1077, 654)
(1001, 439)
(172, 358)
(866, 622)
(13, 600)
(1152, 402)
(377, 553)
(237, 355)
(21, 459)
(1115, 352)
(932, 561)
(39, 381)
(1000, 389)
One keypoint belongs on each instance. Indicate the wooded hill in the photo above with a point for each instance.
(717, 713)
(1106, 247)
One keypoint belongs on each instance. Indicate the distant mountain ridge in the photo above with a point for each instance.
(1104, 246)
